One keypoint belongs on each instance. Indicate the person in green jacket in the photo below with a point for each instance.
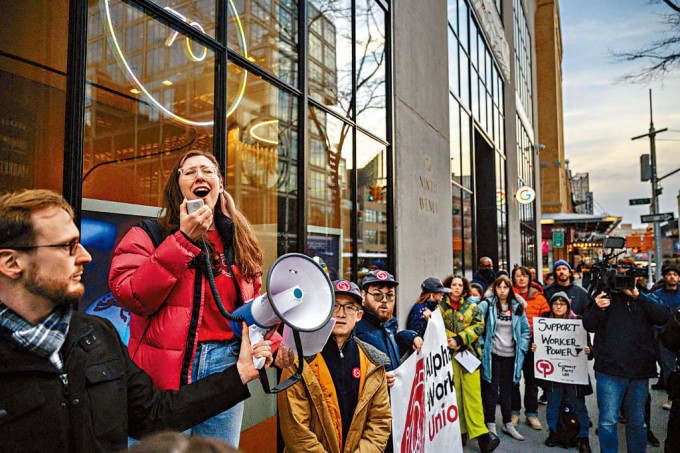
(464, 325)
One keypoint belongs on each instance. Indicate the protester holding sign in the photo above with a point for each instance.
(560, 308)
(506, 341)
(464, 327)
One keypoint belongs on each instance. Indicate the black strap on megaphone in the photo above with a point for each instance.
(264, 379)
(213, 289)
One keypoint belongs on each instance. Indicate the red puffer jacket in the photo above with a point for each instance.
(536, 303)
(165, 295)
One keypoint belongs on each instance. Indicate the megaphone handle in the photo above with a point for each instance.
(264, 380)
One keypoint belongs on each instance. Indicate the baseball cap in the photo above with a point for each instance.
(348, 288)
(434, 285)
(379, 277)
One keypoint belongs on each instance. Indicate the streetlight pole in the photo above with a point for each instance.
(655, 186)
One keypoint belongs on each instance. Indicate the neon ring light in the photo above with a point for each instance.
(133, 78)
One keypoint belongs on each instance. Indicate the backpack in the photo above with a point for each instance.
(567, 426)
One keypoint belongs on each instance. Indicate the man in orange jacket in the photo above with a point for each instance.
(341, 404)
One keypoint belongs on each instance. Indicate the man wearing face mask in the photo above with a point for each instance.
(485, 275)
(564, 281)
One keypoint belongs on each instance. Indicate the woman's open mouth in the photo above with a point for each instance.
(202, 192)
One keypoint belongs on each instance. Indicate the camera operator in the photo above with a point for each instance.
(623, 321)
(671, 340)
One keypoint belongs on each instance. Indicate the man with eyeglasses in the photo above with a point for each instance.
(378, 326)
(68, 384)
(342, 403)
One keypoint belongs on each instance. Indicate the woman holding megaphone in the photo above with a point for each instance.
(159, 273)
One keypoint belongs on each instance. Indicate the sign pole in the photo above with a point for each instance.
(655, 187)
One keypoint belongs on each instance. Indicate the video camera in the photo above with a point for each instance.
(605, 276)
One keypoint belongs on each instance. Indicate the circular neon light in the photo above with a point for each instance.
(500, 197)
(192, 56)
(260, 138)
(525, 195)
(133, 78)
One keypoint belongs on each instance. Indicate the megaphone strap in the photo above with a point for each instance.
(295, 377)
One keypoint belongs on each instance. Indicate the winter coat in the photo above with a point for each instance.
(671, 335)
(520, 335)
(468, 330)
(578, 297)
(99, 398)
(624, 343)
(535, 303)
(670, 298)
(310, 416)
(385, 337)
(478, 277)
(165, 294)
(416, 320)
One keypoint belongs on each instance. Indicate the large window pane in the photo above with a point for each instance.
(147, 103)
(265, 32)
(200, 14)
(371, 67)
(372, 201)
(457, 232)
(329, 193)
(466, 151)
(452, 13)
(454, 140)
(330, 54)
(32, 99)
(464, 78)
(261, 171)
(453, 63)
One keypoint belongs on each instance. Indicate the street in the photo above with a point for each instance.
(534, 439)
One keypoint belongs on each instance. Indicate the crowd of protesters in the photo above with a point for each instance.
(70, 384)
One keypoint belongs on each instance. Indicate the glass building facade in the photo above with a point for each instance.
(477, 134)
(291, 97)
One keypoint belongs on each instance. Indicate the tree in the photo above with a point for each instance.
(660, 56)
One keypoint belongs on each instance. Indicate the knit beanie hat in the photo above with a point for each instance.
(561, 263)
(560, 295)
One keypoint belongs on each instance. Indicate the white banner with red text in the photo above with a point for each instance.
(424, 406)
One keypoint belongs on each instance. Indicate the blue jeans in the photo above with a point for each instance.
(612, 392)
(554, 392)
(213, 357)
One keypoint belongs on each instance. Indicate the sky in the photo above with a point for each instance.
(602, 113)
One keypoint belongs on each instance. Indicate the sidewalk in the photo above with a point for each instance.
(534, 439)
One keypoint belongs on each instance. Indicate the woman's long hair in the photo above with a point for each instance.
(511, 295)
(247, 251)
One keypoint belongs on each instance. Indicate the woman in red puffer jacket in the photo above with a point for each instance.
(535, 305)
(159, 274)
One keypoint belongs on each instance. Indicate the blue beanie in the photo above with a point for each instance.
(561, 263)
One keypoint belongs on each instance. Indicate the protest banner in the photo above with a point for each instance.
(424, 406)
(560, 354)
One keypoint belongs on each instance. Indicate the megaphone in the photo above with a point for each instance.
(299, 294)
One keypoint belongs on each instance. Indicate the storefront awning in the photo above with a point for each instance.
(603, 224)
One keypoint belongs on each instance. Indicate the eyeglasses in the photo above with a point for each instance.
(380, 296)
(72, 246)
(208, 171)
(559, 304)
(350, 309)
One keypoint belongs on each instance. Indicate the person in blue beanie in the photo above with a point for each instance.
(564, 281)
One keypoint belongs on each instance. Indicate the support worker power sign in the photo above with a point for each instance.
(423, 398)
(560, 350)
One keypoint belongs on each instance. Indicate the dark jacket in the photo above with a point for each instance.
(671, 334)
(99, 398)
(478, 277)
(670, 297)
(577, 295)
(416, 320)
(624, 342)
(385, 337)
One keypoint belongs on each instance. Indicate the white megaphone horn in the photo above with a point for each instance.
(299, 294)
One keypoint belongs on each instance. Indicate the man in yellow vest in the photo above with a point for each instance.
(341, 404)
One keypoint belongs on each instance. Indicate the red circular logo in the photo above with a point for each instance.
(381, 275)
(343, 286)
(544, 367)
(356, 373)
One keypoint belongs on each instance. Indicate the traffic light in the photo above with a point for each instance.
(375, 193)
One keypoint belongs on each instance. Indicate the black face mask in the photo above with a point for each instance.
(486, 273)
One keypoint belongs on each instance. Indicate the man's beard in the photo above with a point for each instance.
(563, 278)
(53, 289)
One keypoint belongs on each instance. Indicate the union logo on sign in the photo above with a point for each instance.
(414, 430)
(381, 275)
(342, 285)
